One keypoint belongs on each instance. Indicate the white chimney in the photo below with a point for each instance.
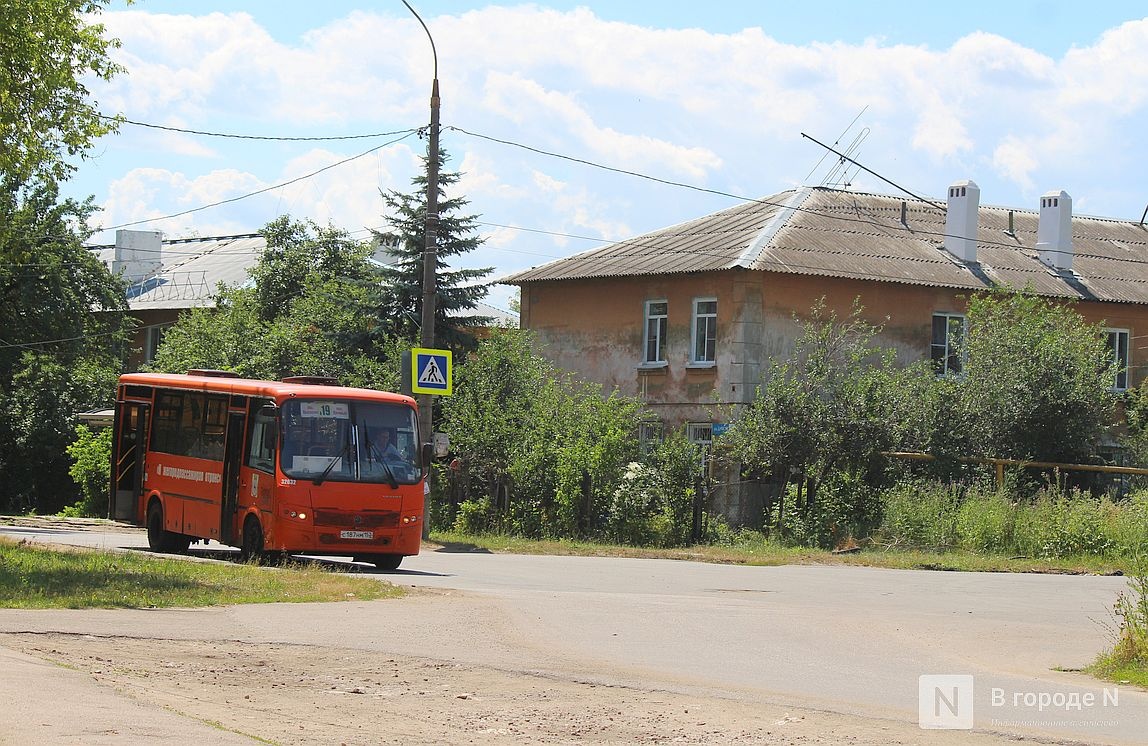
(137, 254)
(1054, 231)
(961, 220)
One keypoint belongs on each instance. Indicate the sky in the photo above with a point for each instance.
(575, 124)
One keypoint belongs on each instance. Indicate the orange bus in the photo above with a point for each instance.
(298, 466)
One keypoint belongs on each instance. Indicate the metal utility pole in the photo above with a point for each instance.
(430, 254)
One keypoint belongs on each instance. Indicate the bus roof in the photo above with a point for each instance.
(277, 390)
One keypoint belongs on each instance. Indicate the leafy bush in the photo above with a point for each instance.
(556, 446)
(1037, 380)
(654, 504)
(91, 470)
(846, 508)
(628, 517)
(822, 417)
(474, 517)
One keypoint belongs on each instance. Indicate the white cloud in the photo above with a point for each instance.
(722, 111)
(1112, 74)
(1015, 161)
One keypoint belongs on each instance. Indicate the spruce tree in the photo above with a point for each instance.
(458, 290)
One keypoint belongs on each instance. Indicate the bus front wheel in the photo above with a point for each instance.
(381, 561)
(252, 546)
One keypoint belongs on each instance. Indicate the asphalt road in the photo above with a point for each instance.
(842, 639)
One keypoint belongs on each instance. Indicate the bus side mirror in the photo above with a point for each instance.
(270, 411)
(428, 456)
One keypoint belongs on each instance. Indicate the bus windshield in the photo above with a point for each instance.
(350, 440)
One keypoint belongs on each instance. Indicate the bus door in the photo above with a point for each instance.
(127, 460)
(232, 460)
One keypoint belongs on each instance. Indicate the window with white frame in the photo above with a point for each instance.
(948, 343)
(657, 314)
(649, 436)
(704, 330)
(700, 433)
(1118, 350)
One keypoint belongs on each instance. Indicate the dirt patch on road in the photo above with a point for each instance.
(303, 694)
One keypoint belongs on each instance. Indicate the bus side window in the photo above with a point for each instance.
(261, 444)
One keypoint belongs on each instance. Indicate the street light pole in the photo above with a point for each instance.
(430, 255)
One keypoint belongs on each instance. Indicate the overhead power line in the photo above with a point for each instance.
(235, 136)
(1011, 245)
(265, 189)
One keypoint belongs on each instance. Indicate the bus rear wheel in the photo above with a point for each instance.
(381, 561)
(160, 539)
(251, 548)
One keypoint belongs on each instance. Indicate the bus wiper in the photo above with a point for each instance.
(343, 453)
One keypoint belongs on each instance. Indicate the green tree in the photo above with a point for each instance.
(63, 341)
(310, 312)
(299, 253)
(832, 406)
(61, 313)
(553, 448)
(457, 290)
(228, 336)
(91, 469)
(1037, 380)
(46, 111)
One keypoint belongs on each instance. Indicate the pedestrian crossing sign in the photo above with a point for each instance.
(431, 371)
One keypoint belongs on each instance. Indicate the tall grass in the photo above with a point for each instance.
(1128, 658)
(1054, 524)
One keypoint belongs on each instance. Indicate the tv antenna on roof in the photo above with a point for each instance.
(840, 174)
(840, 171)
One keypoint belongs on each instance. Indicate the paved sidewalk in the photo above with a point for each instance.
(47, 704)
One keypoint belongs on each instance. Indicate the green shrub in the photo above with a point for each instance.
(91, 455)
(986, 523)
(628, 520)
(921, 515)
(654, 502)
(846, 508)
(474, 517)
(1059, 524)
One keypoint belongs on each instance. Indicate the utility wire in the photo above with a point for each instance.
(266, 189)
(821, 213)
(28, 345)
(319, 138)
(829, 213)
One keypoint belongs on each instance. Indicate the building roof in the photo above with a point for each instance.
(188, 270)
(833, 233)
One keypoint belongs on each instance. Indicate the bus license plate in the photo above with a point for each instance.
(356, 534)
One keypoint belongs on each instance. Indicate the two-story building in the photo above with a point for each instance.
(690, 316)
